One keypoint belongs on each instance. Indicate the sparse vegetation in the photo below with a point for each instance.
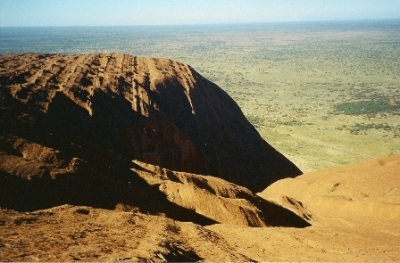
(255, 120)
(359, 128)
(367, 107)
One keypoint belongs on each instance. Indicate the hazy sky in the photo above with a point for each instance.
(161, 12)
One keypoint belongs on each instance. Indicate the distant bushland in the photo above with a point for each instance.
(367, 107)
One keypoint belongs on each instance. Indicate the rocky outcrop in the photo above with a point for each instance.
(216, 198)
(102, 108)
(71, 126)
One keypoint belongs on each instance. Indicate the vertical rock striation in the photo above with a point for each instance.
(100, 111)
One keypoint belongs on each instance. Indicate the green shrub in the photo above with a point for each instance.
(367, 107)
(254, 120)
(358, 127)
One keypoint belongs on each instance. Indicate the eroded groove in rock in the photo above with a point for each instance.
(202, 130)
(82, 118)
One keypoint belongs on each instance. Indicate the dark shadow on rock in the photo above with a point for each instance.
(102, 178)
(275, 215)
(177, 254)
(278, 216)
(96, 134)
(88, 190)
(234, 149)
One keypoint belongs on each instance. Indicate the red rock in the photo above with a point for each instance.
(90, 115)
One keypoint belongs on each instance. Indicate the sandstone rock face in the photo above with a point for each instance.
(216, 199)
(124, 107)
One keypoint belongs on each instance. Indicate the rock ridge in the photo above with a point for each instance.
(157, 111)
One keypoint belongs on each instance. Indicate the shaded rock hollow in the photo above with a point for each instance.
(110, 108)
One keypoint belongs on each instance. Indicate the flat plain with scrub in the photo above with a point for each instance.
(322, 96)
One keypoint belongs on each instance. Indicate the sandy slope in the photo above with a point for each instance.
(69, 233)
(313, 244)
(360, 233)
(362, 195)
(357, 205)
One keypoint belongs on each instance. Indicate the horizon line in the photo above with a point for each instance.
(215, 23)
